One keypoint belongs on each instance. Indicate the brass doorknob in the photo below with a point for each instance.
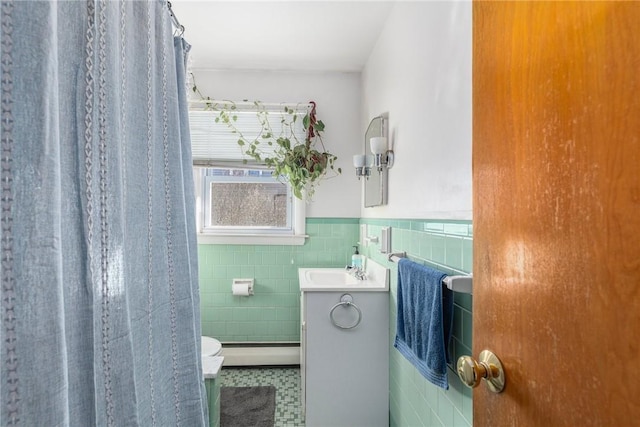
(489, 368)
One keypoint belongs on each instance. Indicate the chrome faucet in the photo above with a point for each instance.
(357, 272)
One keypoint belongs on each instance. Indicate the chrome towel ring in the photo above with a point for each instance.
(345, 300)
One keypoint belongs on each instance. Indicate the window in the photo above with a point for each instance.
(238, 201)
(244, 200)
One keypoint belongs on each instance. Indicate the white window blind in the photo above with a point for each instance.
(215, 143)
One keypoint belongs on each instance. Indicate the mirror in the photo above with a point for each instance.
(375, 185)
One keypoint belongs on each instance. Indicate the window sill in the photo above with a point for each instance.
(252, 239)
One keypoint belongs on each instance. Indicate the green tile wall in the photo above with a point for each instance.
(273, 312)
(446, 245)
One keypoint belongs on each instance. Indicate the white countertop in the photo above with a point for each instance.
(211, 366)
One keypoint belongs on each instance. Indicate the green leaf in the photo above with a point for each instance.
(299, 164)
(284, 142)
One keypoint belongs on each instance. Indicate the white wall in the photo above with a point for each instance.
(420, 73)
(338, 100)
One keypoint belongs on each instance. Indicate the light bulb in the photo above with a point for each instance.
(378, 144)
(369, 159)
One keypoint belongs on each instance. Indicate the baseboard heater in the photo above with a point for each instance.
(260, 354)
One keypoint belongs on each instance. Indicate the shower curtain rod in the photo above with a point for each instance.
(174, 19)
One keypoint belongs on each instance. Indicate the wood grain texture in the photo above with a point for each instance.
(556, 173)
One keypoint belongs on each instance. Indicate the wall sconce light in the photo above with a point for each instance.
(382, 156)
(363, 165)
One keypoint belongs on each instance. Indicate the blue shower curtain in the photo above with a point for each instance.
(100, 306)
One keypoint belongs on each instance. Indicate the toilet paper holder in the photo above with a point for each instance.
(242, 287)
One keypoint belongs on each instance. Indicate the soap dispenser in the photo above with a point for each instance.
(356, 258)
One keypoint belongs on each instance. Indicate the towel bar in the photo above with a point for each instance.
(395, 256)
(462, 284)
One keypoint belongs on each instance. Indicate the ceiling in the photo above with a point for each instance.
(296, 35)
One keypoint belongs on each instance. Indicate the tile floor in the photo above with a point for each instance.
(287, 383)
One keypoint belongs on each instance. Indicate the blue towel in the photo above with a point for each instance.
(425, 315)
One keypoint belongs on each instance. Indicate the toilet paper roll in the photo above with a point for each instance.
(241, 289)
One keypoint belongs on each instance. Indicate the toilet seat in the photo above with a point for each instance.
(211, 346)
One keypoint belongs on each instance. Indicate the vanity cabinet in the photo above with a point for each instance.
(345, 372)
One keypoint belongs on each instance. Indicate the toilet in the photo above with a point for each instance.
(211, 347)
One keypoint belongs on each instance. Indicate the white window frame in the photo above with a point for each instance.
(246, 236)
(293, 234)
(246, 179)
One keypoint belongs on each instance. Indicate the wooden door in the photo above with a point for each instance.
(556, 173)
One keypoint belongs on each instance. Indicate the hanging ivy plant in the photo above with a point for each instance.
(301, 163)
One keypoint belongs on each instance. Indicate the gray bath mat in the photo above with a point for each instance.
(247, 406)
